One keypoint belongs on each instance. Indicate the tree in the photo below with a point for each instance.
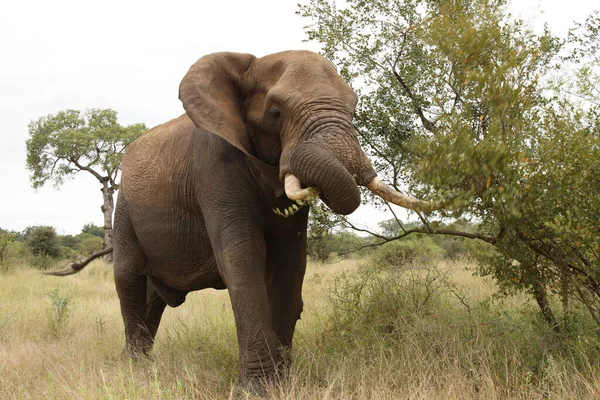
(43, 241)
(92, 229)
(68, 142)
(90, 244)
(458, 102)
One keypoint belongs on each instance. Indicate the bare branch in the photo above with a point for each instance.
(395, 217)
(427, 124)
(425, 231)
(88, 169)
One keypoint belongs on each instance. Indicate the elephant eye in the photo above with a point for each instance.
(275, 114)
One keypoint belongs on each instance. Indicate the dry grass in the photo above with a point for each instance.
(196, 352)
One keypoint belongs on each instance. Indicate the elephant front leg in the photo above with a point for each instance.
(242, 267)
(256, 339)
(286, 265)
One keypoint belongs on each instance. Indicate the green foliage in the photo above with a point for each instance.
(69, 241)
(42, 261)
(458, 102)
(326, 238)
(5, 240)
(68, 253)
(59, 312)
(413, 250)
(90, 244)
(43, 241)
(41, 248)
(92, 229)
(452, 247)
(67, 142)
(336, 244)
(16, 252)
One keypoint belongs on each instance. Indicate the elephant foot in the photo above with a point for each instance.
(284, 362)
(251, 389)
(135, 353)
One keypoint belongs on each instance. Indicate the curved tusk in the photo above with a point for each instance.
(294, 191)
(393, 196)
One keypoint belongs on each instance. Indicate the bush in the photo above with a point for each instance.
(416, 250)
(59, 312)
(69, 241)
(5, 241)
(422, 326)
(42, 241)
(454, 248)
(90, 244)
(324, 246)
(92, 229)
(42, 261)
(68, 253)
(14, 253)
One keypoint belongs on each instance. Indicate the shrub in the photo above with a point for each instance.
(90, 244)
(42, 241)
(92, 229)
(68, 253)
(5, 241)
(58, 312)
(421, 326)
(15, 254)
(416, 250)
(69, 241)
(453, 248)
(42, 261)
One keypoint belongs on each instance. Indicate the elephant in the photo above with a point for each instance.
(196, 203)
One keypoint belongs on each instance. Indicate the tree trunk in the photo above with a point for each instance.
(539, 292)
(107, 209)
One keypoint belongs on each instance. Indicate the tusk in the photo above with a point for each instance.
(393, 196)
(294, 191)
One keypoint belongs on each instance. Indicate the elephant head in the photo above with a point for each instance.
(293, 111)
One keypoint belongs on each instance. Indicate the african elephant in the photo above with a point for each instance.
(195, 206)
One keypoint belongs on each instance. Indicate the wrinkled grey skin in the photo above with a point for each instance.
(195, 208)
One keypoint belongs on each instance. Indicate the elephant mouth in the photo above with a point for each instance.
(294, 190)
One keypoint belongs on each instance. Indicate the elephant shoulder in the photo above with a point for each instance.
(160, 136)
(153, 161)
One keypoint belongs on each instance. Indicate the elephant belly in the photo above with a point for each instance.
(177, 247)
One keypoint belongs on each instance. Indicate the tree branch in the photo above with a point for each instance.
(88, 169)
(395, 217)
(427, 124)
(425, 231)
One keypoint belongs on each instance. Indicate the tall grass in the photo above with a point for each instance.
(420, 333)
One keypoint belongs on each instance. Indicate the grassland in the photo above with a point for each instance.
(433, 333)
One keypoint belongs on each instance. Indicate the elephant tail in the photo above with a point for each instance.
(76, 267)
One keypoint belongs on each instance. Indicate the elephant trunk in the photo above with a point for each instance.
(315, 166)
(318, 164)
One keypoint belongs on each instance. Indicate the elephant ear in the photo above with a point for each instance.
(211, 97)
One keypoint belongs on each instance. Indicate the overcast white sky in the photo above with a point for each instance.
(130, 56)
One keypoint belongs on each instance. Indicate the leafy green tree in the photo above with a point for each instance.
(43, 241)
(69, 241)
(90, 244)
(68, 142)
(92, 229)
(457, 105)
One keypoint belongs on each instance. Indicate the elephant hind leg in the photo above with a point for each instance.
(130, 265)
(155, 305)
(132, 295)
(141, 313)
